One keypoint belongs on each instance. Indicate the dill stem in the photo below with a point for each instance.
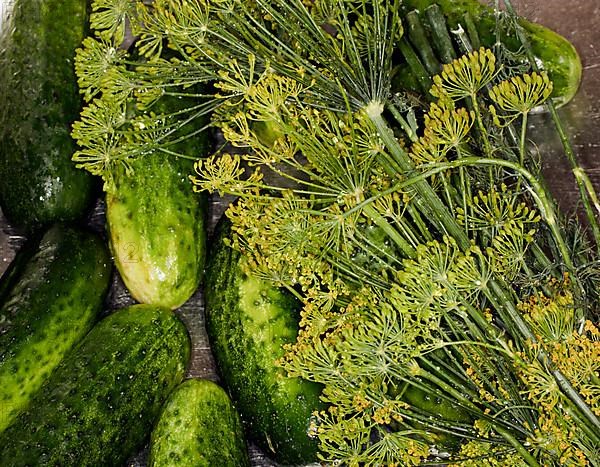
(452, 380)
(487, 147)
(593, 434)
(438, 425)
(417, 35)
(543, 259)
(416, 66)
(586, 190)
(500, 368)
(523, 139)
(422, 187)
(505, 306)
(419, 222)
(406, 249)
(446, 185)
(402, 122)
(453, 392)
(527, 457)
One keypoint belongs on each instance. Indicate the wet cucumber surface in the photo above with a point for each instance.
(198, 427)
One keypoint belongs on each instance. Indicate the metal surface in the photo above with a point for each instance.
(574, 19)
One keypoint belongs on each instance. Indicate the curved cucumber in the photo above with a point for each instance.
(100, 403)
(198, 427)
(39, 100)
(157, 225)
(52, 302)
(554, 53)
(248, 322)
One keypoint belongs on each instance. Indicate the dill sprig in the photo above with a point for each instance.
(445, 306)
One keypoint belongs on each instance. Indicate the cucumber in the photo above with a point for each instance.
(101, 402)
(55, 293)
(248, 322)
(39, 100)
(553, 53)
(198, 427)
(157, 224)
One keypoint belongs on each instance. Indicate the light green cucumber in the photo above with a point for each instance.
(54, 295)
(198, 427)
(99, 405)
(157, 223)
(157, 230)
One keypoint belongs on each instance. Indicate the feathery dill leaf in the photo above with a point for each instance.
(444, 309)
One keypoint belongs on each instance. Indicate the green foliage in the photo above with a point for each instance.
(438, 265)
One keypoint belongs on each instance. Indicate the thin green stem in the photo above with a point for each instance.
(514, 442)
(594, 435)
(406, 127)
(523, 140)
(432, 201)
(583, 183)
(404, 246)
(415, 66)
(487, 147)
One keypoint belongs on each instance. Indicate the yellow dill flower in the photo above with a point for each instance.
(224, 173)
(520, 95)
(482, 454)
(465, 76)
(556, 439)
(552, 318)
(541, 387)
(448, 127)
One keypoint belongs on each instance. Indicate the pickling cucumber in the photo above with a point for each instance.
(248, 322)
(55, 291)
(553, 52)
(157, 224)
(198, 427)
(39, 100)
(99, 405)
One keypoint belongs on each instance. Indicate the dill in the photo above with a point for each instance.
(445, 305)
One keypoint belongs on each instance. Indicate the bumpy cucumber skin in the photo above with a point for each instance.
(53, 301)
(157, 229)
(198, 427)
(157, 223)
(555, 54)
(39, 100)
(248, 322)
(101, 402)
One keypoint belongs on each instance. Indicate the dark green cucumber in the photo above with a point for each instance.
(198, 427)
(554, 53)
(39, 100)
(56, 291)
(157, 225)
(248, 322)
(101, 402)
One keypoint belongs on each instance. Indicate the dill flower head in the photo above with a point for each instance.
(522, 93)
(465, 76)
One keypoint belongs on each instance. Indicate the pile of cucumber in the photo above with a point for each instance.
(83, 385)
